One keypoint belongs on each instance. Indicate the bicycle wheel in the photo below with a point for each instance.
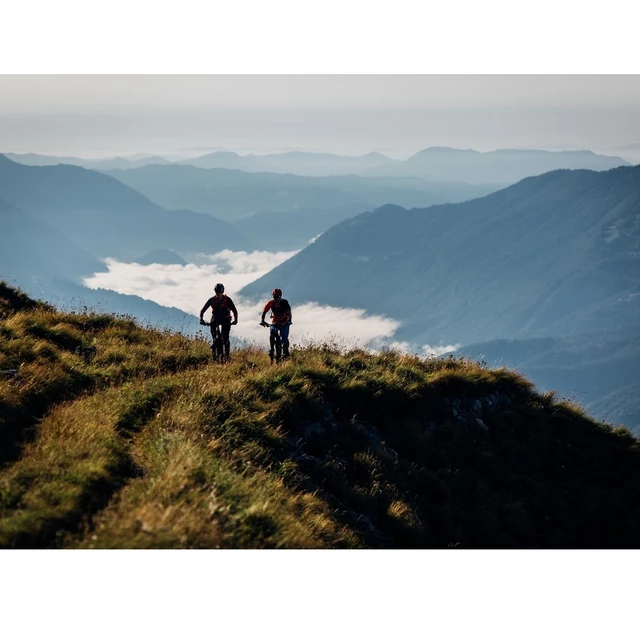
(216, 347)
(278, 346)
(220, 346)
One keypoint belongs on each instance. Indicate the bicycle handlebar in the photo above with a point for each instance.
(217, 324)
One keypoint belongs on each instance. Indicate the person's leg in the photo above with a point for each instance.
(284, 334)
(272, 342)
(214, 346)
(226, 328)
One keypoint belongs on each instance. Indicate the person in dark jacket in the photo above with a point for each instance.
(221, 309)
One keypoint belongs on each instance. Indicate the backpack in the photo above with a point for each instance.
(220, 308)
(279, 313)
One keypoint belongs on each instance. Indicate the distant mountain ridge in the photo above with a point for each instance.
(296, 162)
(108, 218)
(231, 193)
(100, 164)
(502, 166)
(283, 211)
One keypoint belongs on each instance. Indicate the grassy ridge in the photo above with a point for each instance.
(56, 357)
(142, 442)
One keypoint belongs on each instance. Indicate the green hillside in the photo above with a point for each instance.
(114, 435)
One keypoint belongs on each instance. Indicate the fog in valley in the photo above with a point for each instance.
(189, 286)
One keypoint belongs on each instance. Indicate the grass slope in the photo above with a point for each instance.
(117, 436)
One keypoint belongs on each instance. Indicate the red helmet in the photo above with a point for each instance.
(277, 293)
(219, 288)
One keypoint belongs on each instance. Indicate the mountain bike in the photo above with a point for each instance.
(275, 341)
(217, 347)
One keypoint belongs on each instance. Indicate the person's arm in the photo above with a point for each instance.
(266, 308)
(206, 306)
(289, 313)
(232, 307)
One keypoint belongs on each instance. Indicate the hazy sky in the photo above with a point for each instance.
(95, 115)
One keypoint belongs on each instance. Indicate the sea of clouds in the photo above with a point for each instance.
(189, 287)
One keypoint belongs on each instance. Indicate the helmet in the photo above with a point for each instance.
(219, 288)
(277, 293)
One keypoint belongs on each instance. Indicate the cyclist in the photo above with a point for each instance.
(221, 308)
(281, 319)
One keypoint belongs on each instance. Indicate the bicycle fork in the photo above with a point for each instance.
(220, 348)
(279, 350)
(275, 352)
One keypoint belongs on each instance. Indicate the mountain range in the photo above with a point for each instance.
(296, 162)
(49, 266)
(281, 211)
(101, 164)
(502, 166)
(107, 218)
(80, 220)
(230, 194)
(552, 255)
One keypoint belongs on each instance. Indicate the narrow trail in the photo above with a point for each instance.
(84, 446)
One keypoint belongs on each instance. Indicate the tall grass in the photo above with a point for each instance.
(123, 437)
(60, 356)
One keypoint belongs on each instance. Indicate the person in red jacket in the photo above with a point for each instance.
(221, 308)
(281, 318)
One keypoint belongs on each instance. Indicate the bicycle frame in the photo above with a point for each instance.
(217, 347)
(275, 341)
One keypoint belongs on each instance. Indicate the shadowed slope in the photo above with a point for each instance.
(331, 449)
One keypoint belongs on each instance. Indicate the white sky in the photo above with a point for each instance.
(128, 94)
(98, 115)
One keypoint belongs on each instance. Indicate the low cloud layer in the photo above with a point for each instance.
(189, 287)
